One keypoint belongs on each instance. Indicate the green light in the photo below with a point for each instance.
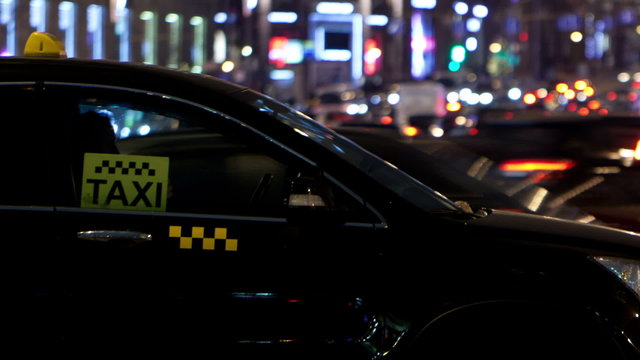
(454, 66)
(458, 53)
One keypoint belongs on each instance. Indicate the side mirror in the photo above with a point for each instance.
(311, 201)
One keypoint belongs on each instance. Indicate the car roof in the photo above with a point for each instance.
(105, 72)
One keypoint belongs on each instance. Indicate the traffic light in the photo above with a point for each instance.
(458, 55)
(278, 50)
(372, 56)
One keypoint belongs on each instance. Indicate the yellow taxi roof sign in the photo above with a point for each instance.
(40, 44)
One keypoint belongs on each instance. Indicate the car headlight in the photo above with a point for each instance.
(626, 269)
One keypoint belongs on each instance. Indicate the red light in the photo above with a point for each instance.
(572, 107)
(583, 111)
(603, 111)
(632, 96)
(372, 56)
(523, 36)
(531, 165)
(386, 120)
(278, 50)
(473, 131)
(612, 96)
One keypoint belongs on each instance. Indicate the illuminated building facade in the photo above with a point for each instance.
(289, 47)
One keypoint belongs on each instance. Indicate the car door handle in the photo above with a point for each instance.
(115, 236)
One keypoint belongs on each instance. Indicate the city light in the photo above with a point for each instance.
(471, 44)
(424, 4)
(474, 25)
(570, 94)
(282, 17)
(562, 88)
(252, 4)
(411, 131)
(377, 20)
(393, 99)
(335, 8)
(495, 48)
(220, 18)
(576, 36)
(458, 53)
(480, 11)
(580, 85)
(461, 8)
(227, 66)
(529, 98)
(246, 51)
(486, 98)
(624, 77)
(514, 93)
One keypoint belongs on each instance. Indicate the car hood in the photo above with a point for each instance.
(550, 231)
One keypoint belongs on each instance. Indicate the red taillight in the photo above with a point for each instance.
(531, 165)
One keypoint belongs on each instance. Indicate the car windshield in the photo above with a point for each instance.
(381, 171)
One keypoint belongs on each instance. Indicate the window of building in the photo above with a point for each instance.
(150, 37)
(95, 30)
(7, 27)
(67, 24)
(197, 49)
(175, 39)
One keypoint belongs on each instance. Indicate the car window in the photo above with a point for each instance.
(25, 166)
(380, 171)
(152, 153)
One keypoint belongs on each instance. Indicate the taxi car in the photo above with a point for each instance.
(147, 211)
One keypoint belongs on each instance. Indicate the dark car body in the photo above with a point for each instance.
(232, 225)
(456, 172)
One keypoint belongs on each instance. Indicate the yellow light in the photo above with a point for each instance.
(495, 48)
(460, 120)
(454, 106)
(410, 131)
(637, 153)
(562, 87)
(589, 91)
(227, 66)
(529, 99)
(570, 94)
(580, 85)
(576, 36)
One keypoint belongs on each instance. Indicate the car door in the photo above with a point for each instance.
(187, 227)
(26, 210)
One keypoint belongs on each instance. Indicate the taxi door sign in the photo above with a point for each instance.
(125, 182)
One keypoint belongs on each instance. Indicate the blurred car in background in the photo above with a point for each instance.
(456, 172)
(590, 161)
